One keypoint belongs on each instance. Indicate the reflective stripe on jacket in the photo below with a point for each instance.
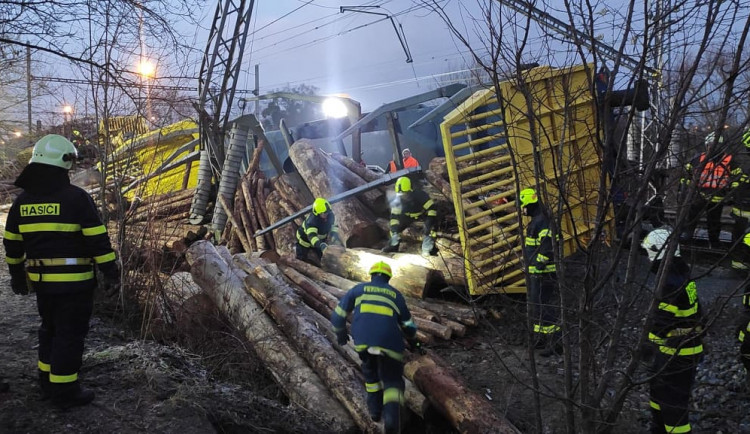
(57, 238)
(315, 230)
(676, 324)
(380, 318)
(538, 247)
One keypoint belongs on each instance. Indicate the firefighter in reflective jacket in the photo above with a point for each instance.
(53, 238)
(740, 199)
(380, 322)
(713, 183)
(674, 330)
(542, 276)
(318, 229)
(407, 207)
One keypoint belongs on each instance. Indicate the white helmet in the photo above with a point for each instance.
(711, 137)
(54, 150)
(655, 244)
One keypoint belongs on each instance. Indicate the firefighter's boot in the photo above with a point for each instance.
(391, 418)
(393, 244)
(428, 246)
(44, 385)
(67, 395)
(375, 405)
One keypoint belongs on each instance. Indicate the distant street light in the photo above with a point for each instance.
(146, 69)
(67, 117)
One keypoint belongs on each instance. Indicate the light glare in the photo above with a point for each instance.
(334, 108)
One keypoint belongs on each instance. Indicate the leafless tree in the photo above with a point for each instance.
(693, 58)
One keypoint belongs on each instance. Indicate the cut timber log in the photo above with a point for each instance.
(361, 171)
(284, 236)
(226, 288)
(464, 314)
(409, 278)
(467, 411)
(356, 226)
(374, 199)
(291, 187)
(294, 319)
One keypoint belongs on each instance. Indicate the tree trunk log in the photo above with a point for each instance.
(293, 318)
(409, 278)
(226, 288)
(464, 314)
(284, 237)
(466, 411)
(292, 187)
(356, 225)
(358, 169)
(374, 199)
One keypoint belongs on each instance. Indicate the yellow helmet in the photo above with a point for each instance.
(403, 185)
(382, 268)
(527, 197)
(320, 206)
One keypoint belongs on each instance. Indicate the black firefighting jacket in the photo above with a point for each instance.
(740, 193)
(54, 232)
(676, 325)
(381, 318)
(414, 205)
(315, 230)
(538, 247)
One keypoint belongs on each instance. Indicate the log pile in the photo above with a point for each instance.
(260, 202)
(289, 303)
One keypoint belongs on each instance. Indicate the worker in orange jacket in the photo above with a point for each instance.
(408, 160)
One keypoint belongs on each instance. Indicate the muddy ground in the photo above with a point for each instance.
(188, 387)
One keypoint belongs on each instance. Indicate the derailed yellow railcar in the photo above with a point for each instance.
(158, 161)
(543, 130)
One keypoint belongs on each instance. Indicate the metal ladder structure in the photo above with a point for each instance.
(492, 146)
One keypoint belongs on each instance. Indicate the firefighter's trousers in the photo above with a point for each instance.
(428, 233)
(308, 254)
(65, 323)
(740, 215)
(384, 380)
(713, 211)
(542, 306)
(670, 392)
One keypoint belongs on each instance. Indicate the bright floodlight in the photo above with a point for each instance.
(334, 108)
(67, 109)
(17, 134)
(146, 68)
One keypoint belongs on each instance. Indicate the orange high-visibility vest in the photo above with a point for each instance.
(410, 162)
(715, 175)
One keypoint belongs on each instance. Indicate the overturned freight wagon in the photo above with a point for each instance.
(542, 132)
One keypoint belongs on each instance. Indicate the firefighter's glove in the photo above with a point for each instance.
(19, 284)
(541, 260)
(323, 247)
(110, 285)
(416, 347)
(342, 338)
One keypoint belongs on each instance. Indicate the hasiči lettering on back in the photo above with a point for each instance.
(40, 209)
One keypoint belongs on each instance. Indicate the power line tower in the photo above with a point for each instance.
(216, 87)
